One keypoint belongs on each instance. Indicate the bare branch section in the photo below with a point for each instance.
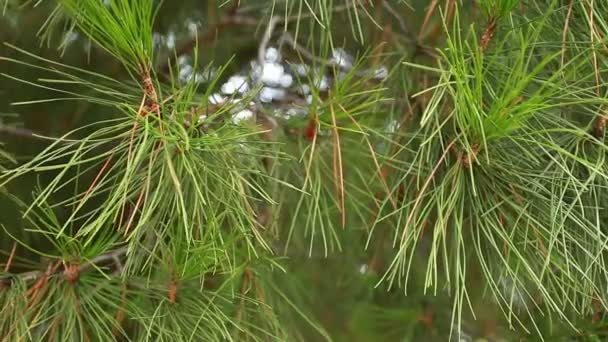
(237, 16)
(70, 272)
(20, 132)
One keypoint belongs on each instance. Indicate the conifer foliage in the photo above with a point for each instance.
(304, 170)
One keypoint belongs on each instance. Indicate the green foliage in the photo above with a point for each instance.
(498, 8)
(123, 28)
(420, 191)
(484, 182)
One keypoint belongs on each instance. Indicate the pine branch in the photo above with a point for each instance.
(490, 184)
(113, 257)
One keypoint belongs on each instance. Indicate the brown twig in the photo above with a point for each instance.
(97, 177)
(427, 18)
(565, 31)
(247, 276)
(120, 312)
(38, 286)
(438, 28)
(10, 258)
(172, 291)
(487, 35)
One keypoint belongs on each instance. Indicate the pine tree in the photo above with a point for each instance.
(310, 170)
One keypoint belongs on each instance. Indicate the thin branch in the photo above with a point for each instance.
(21, 132)
(237, 17)
(387, 6)
(209, 35)
(111, 256)
(266, 38)
(288, 38)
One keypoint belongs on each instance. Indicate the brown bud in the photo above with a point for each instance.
(469, 158)
(600, 127)
(72, 272)
(487, 35)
